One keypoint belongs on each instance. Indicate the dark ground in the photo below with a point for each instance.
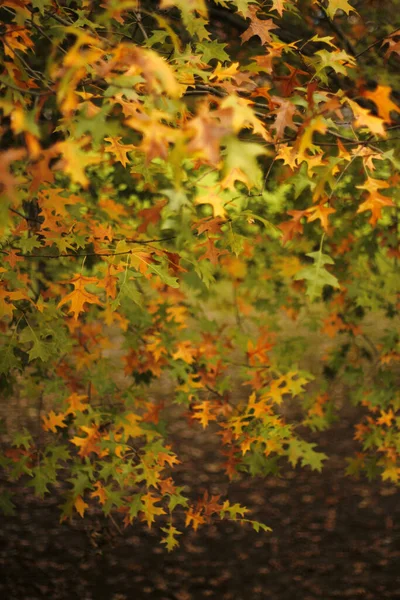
(333, 537)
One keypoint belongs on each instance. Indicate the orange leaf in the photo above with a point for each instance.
(204, 414)
(79, 297)
(375, 201)
(53, 420)
(186, 352)
(364, 118)
(194, 518)
(321, 212)
(99, 493)
(90, 443)
(386, 418)
(258, 27)
(77, 403)
(80, 505)
(119, 150)
(381, 97)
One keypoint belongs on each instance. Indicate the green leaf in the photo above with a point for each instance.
(39, 349)
(257, 526)
(243, 156)
(170, 540)
(176, 499)
(23, 438)
(136, 506)
(6, 506)
(316, 275)
(213, 50)
(41, 479)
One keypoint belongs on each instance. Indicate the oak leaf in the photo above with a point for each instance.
(53, 420)
(99, 493)
(375, 201)
(80, 505)
(150, 511)
(381, 97)
(212, 252)
(90, 443)
(258, 27)
(185, 351)
(77, 403)
(322, 212)
(364, 118)
(204, 413)
(194, 518)
(120, 151)
(80, 296)
(170, 540)
(335, 5)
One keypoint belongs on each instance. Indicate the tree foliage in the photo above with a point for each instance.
(164, 165)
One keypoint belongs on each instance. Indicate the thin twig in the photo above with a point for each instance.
(27, 91)
(140, 25)
(381, 39)
(24, 216)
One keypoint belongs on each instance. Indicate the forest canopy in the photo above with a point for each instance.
(192, 193)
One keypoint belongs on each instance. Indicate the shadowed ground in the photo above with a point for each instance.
(333, 537)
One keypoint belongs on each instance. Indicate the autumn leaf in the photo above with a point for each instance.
(293, 227)
(335, 5)
(185, 351)
(381, 98)
(80, 296)
(364, 118)
(212, 253)
(170, 540)
(258, 353)
(90, 443)
(386, 418)
(74, 160)
(99, 493)
(120, 151)
(204, 413)
(258, 27)
(375, 201)
(53, 420)
(77, 403)
(217, 203)
(320, 211)
(279, 6)
(150, 511)
(194, 518)
(170, 458)
(284, 116)
(80, 505)
(130, 425)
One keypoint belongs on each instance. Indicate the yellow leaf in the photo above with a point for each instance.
(185, 351)
(203, 413)
(335, 5)
(364, 118)
(381, 97)
(129, 423)
(77, 403)
(74, 160)
(53, 420)
(216, 202)
(119, 150)
(151, 511)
